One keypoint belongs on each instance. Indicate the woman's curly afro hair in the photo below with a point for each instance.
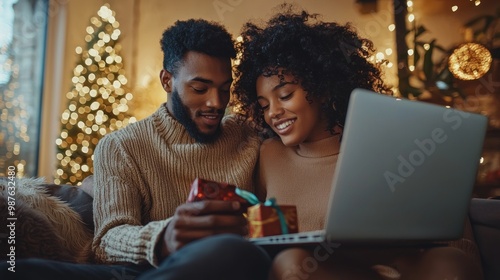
(328, 59)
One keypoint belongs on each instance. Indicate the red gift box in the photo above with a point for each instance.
(202, 189)
(265, 221)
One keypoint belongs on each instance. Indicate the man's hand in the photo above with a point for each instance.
(196, 220)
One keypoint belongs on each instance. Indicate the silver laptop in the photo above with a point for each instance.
(405, 174)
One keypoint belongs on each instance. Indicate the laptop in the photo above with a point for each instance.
(404, 175)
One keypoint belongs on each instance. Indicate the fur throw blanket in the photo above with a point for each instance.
(46, 227)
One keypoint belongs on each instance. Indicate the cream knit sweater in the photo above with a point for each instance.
(144, 171)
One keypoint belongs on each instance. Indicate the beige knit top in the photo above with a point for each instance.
(144, 171)
(300, 176)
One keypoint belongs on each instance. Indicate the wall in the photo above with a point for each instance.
(142, 23)
(446, 25)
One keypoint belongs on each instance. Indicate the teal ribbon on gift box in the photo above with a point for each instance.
(253, 200)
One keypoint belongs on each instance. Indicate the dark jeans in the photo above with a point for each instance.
(220, 257)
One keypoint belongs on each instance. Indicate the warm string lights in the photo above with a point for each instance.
(13, 120)
(412, 22)
(98, 101)
(470, 61)
(454, 8)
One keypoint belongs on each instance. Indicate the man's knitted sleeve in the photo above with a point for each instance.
(119, 233)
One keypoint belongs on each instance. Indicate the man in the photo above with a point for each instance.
(143, 172)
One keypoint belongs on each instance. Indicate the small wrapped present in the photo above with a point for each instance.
(270, 219)
(264, 219)
(202, 189)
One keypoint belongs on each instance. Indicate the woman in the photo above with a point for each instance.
(294, 80)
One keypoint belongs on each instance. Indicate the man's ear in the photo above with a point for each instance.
(166, 80)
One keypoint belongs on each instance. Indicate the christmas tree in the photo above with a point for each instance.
(97, 102)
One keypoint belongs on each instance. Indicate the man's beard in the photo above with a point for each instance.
(181, 114)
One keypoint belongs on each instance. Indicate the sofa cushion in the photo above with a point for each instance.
(77, 199)
(43, 221)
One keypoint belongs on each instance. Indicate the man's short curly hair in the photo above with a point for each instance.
(194, 35)
(328, 59)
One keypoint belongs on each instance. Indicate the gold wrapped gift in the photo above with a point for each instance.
(265, 220)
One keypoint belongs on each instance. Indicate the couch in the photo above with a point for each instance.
(484, 215)
(45, 221)
(485, 218)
